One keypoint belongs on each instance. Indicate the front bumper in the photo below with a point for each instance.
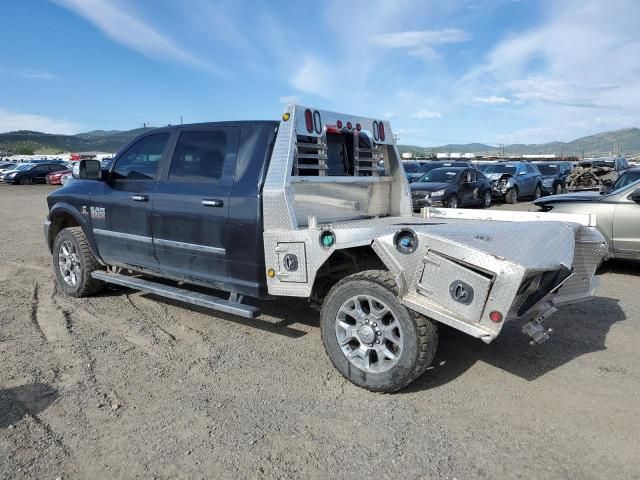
(425, 200)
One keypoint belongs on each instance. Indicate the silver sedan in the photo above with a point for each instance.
(617, 213)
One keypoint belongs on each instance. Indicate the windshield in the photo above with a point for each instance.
(497, 168)
(546, 169)
(445, 175)
(24, 166)
(598, 163)
(624, 181)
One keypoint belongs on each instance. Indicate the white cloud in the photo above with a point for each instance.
(119, 24)
(389, 115)
(313, 76)
(581, 62)
(426, 114)
(492, 100)
(11, 121)
(420, 43)
(289, 99)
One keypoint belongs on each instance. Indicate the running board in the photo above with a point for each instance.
(180, 294)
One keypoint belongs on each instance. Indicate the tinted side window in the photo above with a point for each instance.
(472, 175)
(530, 168)
(199, 155)
(141, 161)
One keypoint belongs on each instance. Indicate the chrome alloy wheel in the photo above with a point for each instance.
(69, 263)
(369, 334)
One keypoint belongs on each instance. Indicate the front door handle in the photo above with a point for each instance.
(212, 203)
(140, 198)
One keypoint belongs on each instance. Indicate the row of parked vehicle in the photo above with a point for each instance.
(463, 183)
(51, 172)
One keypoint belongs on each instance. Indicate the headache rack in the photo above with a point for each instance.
(336, 152)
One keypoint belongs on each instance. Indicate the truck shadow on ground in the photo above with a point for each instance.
(29, 399)
(577, 330)
(622, 267)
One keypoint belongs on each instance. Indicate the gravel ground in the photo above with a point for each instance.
(124, 385)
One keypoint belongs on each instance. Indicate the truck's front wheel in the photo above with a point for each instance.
(371, 338)
(73, 263)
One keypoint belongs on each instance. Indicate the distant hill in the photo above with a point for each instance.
(26, 141)
(626, 139)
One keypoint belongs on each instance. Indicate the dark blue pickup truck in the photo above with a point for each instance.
(299, 208)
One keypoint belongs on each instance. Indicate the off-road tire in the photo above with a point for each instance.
(87, 285)
(25, 181)
(512, 196)
(453, 201)
(420, 335)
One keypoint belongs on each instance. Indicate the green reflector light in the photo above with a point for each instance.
(327, 239)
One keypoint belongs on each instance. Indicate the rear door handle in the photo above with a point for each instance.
(140, 198)
(212, 203)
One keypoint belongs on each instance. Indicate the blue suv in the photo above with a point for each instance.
(512, 180)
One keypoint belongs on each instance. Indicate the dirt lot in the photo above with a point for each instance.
(125, 385)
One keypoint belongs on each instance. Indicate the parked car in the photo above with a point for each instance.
(513, 180)
(554, 176)
(13, 169)
(451, 187)
(617, 214)
(29, 173)
(257, 209)
(55, 178)
(596, 174)
(66, 178)
(5, 166)
(417, 171)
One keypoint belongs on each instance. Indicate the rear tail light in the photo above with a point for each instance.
(317, 122)
(381, 128)
(308, 120)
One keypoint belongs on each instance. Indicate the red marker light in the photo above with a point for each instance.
(308, 120)
(381, 128)
(496, 317)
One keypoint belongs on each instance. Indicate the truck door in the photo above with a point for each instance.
(191, 205)
(469, 187)
(120, 208)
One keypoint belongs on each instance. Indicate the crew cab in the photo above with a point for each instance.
(297, 208)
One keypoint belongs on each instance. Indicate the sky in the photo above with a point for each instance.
(489, 71)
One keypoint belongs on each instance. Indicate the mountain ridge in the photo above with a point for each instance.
(625, 141)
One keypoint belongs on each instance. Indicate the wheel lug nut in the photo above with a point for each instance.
(377, 341)
(378, 332)
(367, 320)
(375, 324)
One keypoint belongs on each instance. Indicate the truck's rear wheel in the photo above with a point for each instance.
(371, 338)
(73, 263)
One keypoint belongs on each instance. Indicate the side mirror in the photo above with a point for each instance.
(87, 170)
(635, 195)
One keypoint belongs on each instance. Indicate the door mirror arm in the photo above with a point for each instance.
(635, 195)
